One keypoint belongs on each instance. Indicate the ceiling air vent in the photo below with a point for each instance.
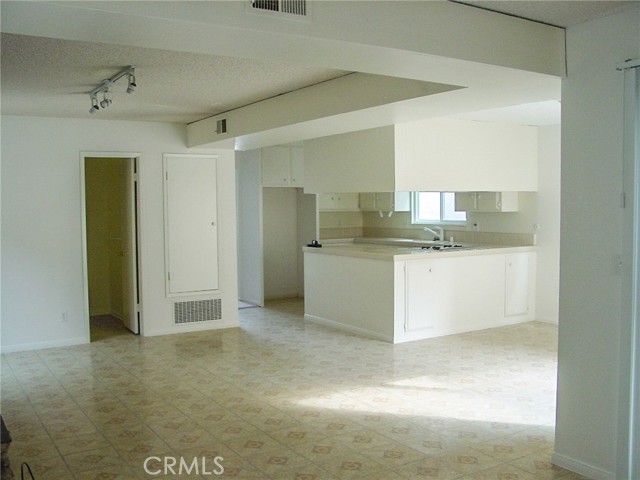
(291, 7)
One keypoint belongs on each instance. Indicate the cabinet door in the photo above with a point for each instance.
(367, 202)
(424, 300)
(516, 301)
(487, 202)
(297, 167)
(384, 201)
(276, 166)
(332, 202)
(326, 202)
(465, 201)
(191, 226)
(347, 202)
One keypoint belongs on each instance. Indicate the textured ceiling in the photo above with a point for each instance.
(50, 77)
(554, 12)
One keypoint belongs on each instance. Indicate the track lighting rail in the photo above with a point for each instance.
(103, 88)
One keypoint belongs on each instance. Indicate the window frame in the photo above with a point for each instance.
(417, 221)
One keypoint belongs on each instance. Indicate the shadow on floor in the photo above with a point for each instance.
(104, 327)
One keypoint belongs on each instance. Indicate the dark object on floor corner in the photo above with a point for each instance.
(5, 465)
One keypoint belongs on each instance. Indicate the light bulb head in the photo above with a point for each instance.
(132, 84)
(94, 105)
(106, 100)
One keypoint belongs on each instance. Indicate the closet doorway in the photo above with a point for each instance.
(110, 208)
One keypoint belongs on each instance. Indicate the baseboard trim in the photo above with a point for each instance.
(348, 328)
(192, 327)
(581, 468)
(23, 347)
(552, 320)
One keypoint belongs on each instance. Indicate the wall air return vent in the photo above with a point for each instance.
(197, 311)
(290, 7)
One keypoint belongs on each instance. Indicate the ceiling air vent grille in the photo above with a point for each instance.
(197, 311)
(292, 7)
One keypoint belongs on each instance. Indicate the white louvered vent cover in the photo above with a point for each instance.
(197, 311)
(292, 7)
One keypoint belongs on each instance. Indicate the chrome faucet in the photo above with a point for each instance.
(438, 232)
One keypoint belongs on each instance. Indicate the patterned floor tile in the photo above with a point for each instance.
(316, 404)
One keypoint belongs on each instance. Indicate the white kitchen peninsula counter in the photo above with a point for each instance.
(399, 293)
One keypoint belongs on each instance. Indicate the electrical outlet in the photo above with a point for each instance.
(64, 317)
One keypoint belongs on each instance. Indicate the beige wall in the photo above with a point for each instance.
(104, 190)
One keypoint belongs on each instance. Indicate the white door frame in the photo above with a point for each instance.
(628, 445)
(137, 156)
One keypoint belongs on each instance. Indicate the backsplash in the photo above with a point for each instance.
(504, 229)
(459, 236)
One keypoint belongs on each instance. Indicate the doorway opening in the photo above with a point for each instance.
(110, 213)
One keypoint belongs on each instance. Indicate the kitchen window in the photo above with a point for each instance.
(435, 207)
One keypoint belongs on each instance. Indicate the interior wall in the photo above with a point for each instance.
(548, 218)
(280, 242)
(250, 236)
(590, 250)
(307, 220)
(42, 246)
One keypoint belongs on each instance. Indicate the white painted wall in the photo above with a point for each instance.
(279, 207)
(449, 154)
(590, 282)
(548, 218)
(42, 268)
(250, 236)
(308, 229)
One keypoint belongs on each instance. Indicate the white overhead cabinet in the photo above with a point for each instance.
(338, 202)
(385, 202)
(191, 224)
(440, 154)
(282, 166)
(486, 201)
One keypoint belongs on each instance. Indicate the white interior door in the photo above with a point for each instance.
(191, 224)
(129, 252)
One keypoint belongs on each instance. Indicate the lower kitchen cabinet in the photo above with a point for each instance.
(445, 296)
(399, 299)
(516, 288)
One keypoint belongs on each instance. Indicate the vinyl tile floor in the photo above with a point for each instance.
(281, 398)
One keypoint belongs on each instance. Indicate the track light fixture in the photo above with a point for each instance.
(94, 104)
(103, 88)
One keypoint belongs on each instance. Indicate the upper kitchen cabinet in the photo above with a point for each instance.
(487, 201)
(439, 154)
(385, 202)
(282, 166)
(336, 202)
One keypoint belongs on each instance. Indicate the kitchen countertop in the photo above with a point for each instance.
(392, 249)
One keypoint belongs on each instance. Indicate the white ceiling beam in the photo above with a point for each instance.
(359, 36)
(352, 92)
